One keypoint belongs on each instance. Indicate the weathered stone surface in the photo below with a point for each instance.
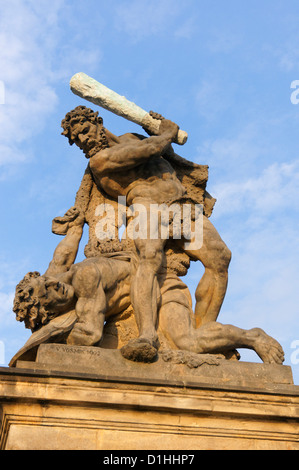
(65, 411)
(211, 369)
(127, 294)
(71, 302)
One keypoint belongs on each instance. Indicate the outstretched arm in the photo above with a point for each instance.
(66, 252)
(131, 153)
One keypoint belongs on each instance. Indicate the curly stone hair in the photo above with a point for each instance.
(27, 306)
(79, 115)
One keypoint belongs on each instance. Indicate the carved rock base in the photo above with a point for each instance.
(190, 406)
(172, 366)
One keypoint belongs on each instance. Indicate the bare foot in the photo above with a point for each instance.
(139, 350)
(267, 348)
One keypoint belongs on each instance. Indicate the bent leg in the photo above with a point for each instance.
(88, 330)
(176, 325)
(175, 322)
(144, 298)
(215, 337)
(145, 288)
(211, 290)
(90, 308)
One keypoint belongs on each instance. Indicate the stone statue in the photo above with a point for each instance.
(72, 301)
(75, 303)
(135, 167)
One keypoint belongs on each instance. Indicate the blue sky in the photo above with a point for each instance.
(222, 71)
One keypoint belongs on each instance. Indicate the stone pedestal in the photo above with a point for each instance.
(94, 399)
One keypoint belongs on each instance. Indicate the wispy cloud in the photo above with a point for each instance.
(210, 99)
(223, 42)
(11, 273)
(141, 19)
(274, 192)
(234, 155)
(259, 222)
(30, 45)
(286, 50)
(25, 49)
(256, 183)
(6, 315)
(263, 280)
(187, 28)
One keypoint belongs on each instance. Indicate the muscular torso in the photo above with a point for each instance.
(153, 179)
(111, 275)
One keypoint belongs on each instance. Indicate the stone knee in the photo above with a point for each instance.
(85, 335)
(216, 262)
(219, 258)
(150, 255)
(225, 257)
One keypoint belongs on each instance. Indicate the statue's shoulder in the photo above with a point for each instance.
(131, 136)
